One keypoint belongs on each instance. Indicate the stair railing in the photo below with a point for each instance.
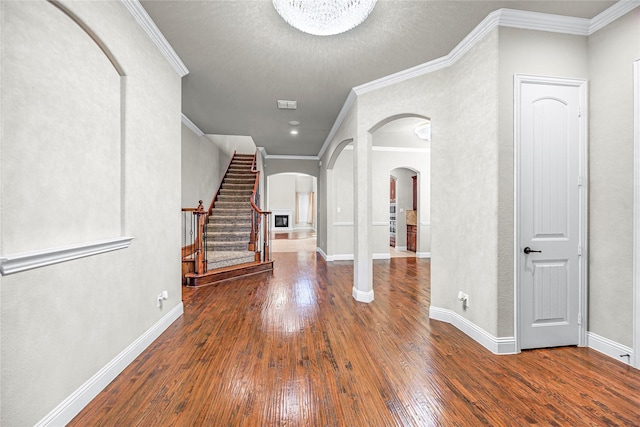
(260, 220)
(194, 247)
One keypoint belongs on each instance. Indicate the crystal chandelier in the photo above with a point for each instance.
(324, 17)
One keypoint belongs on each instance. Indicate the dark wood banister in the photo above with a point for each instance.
(255, 225)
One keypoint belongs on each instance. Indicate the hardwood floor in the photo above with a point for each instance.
(294, 348)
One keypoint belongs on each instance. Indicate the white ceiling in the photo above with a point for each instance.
(242, 57)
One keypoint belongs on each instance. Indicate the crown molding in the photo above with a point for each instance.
(336, 125)
(502, 17)
(400, 149)
(268, 156)
(290, 157)
(609, 15)
(188, 123)
(144, 20)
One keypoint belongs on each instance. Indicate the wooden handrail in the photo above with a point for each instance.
(256, 219)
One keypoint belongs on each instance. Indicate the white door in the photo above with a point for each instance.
(550, 143)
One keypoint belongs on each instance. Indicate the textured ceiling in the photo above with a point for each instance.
(242, 57)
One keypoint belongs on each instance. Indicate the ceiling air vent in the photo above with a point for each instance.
(287, 105)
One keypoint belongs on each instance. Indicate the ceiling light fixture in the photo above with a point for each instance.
(324, 18)
(294, 132)
(423, 131)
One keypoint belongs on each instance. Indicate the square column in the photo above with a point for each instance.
(362, 252)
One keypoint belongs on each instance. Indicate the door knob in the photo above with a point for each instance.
(528, 250)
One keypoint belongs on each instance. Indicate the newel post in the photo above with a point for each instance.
(201, 262)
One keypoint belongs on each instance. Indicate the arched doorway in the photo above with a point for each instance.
(292, 200)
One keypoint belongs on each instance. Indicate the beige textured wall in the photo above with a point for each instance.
(203, 167)
(464, 169)
(612, 51)
(534, 53)
(61, 324)
(73, 201)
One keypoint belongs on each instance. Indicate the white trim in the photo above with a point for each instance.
(72, 405)
(544, 22)
(609, 15)
(501, 345)
(425, 224)
(610, 348)
(336, 125)
(380, 224)
(342, 257)
(323, 255)
(144, 20)
(23, 261)
(188, 123)
(401, 248)
(581, 84)
(343, 224)
(423, 254)
(362, 296)
(289, 157)
(502, 17)
(400, 149)
(636, 214)
(382, 255)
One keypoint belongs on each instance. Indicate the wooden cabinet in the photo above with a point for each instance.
(392, 189)
(412, 237)
(414, 184)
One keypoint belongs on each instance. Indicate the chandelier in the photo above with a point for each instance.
(324, 17)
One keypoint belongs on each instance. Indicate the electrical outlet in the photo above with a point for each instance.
(464, 298)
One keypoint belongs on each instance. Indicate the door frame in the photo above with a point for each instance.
(581, 84)
(635, 357)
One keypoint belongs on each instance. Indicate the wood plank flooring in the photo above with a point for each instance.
(292, 348)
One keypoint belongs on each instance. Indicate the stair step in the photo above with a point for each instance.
(227, 246)
(244, 227)
(235, 191)
(233, 198)
(228, 236)
(232, 205)
(230, 220)
(222, 259)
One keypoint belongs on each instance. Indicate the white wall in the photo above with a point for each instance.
(203, 167)
(62, 108)
(535, 53)
(282, 194)
(612, 51)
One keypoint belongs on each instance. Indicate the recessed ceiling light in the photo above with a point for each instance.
(294, 123)
(294, 132)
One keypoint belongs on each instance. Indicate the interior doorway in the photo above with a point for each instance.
(403, 213)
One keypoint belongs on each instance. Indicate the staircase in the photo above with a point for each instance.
(227, 246)
(228, 231)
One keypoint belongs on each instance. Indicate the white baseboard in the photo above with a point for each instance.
(610, 348)
(72, 405)
(342, 257)
(331, 258)
(382, 256)
(362, 296)
(423, 254)
(502, 345)
(322, 254)
(401, 248)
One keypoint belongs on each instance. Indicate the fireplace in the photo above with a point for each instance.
(281, 221)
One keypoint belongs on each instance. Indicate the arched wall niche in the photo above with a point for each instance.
(63, 93)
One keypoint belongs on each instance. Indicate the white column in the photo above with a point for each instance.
(362, 252)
